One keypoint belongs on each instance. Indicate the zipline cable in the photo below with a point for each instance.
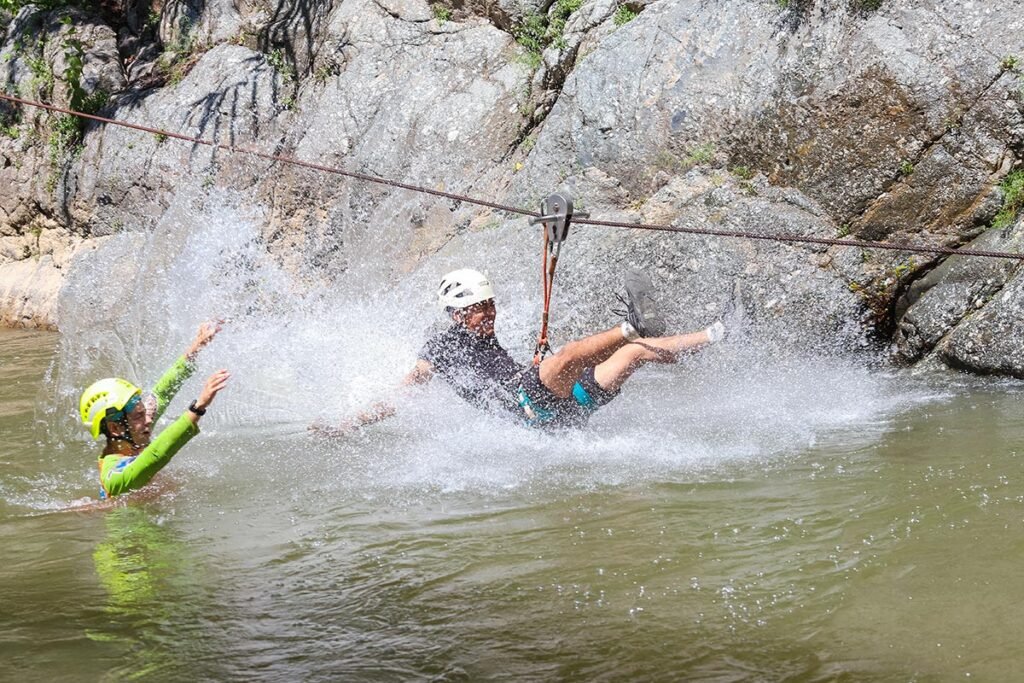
(863, 244)
(272, 157)
(740, 234)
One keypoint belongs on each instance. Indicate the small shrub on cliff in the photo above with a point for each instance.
(10, 122)
(902, 268)
(180, 55)
(64, 142)
(1013, 200)
(325, 71)
(743, 172)
(530, 34)
(623, 15)
(152, 22)
(701, 154)
(557, 17)
(279, 61)
(41, 82)
(63, 136)
(14, 5)
(538, 31)
(441, 13)
(74, 58)
(867, 5)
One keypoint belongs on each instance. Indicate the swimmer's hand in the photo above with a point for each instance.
(207, 331)
(375, 413)
(214, 383)
(322, 429)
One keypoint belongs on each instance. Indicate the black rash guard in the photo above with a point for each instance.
(479, 370)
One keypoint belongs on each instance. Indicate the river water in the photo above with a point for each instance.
(755, 513)
(820, 520)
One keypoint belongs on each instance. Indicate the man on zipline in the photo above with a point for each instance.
(116, 408)
(564, 389)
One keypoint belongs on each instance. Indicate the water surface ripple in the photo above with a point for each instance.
(806, 520)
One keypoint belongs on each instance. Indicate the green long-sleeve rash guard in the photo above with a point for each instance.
(122, 473)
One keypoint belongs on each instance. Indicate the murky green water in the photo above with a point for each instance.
(876, 545)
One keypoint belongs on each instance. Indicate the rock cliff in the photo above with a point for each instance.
(893, 120)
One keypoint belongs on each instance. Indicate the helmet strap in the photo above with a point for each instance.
(123, 421)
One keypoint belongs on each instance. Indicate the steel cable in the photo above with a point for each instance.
(740, 234)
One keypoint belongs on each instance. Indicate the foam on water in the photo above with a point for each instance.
(300, 349)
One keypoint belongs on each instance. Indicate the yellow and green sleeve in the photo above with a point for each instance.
(120, 474)
(167, 386)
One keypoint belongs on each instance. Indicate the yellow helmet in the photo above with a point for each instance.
(100, 397)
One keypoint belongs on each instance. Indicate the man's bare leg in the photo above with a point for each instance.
(561, 371)
(611, 374)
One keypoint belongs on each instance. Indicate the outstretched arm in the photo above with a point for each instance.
(420, 374)
(157, 454)
(381, 410)
(207, 331)
(214, 383)
(167, 386)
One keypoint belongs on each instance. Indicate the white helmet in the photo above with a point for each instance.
(464, 287)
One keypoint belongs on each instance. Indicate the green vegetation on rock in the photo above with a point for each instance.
(530, 33)
(152, 22)
(41, 82)
(623, 15)
(1013, 200)
(63, 132)
(867, 5)
(743, 172)
(441, 13)
(536, 31)
(64, 142)
(10, 125)
(279, 61)
(14, 6)
(701, 154)
(180, 55)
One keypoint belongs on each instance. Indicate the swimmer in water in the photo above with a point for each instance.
(116, 408)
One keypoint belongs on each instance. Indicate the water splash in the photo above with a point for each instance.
(299, 351)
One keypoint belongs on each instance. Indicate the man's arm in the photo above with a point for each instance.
(381, 410)
(420, 374)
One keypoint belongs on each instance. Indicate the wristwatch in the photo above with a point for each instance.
(198, 411)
